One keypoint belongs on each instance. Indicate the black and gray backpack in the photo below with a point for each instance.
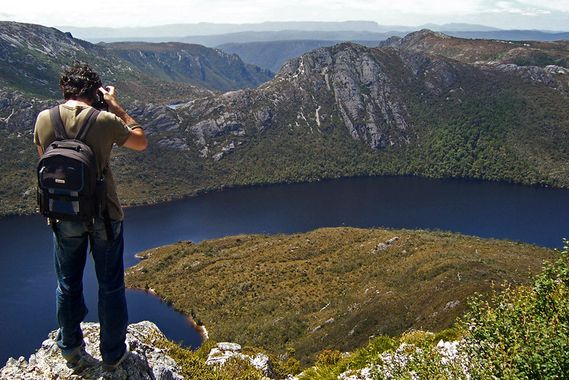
(69, 187)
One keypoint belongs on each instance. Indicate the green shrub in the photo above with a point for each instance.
(524, 332)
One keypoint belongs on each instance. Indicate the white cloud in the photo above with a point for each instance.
(122, 13)
(551, 5)
(517, 7)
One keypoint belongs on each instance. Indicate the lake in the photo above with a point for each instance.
(27, 281)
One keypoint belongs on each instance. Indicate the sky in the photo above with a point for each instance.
(507, 14)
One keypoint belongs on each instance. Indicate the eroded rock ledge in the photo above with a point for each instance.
(145, 362)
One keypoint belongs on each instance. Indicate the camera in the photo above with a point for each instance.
(100, 103)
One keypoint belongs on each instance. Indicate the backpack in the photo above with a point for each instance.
(69, 187)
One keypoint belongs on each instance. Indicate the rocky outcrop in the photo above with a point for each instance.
(225, 351)
(552, 76)
(145, 362)
(18, 112)
(402, 359)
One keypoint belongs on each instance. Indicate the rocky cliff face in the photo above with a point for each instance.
(190, 63)
(348, 86)
(145, 362)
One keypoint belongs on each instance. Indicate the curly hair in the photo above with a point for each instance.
(79, 81)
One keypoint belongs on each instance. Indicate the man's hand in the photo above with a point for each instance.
(114, 106)
(111, 99)
(137, 140)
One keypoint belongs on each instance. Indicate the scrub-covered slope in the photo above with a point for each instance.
(331, 287)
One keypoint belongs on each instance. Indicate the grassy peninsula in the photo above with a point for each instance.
(332, 288)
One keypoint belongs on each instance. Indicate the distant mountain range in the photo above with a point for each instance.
(96, 34)
(211, 34)
(426, 104)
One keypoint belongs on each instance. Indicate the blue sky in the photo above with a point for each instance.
(526, 14)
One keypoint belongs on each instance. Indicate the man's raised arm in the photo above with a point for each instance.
(137, 139)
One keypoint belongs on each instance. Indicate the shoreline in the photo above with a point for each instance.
(204, 191)
(201, 329)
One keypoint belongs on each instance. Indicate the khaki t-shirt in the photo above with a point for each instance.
(107, 130)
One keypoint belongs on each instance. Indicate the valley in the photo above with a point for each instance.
(344, 110)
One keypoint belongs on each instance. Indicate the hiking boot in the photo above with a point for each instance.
(79, 358)
(108, 367)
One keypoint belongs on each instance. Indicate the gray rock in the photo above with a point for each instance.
(175, 143)
(146, 361)
(385, 245)
(228, 346)
(225, 351)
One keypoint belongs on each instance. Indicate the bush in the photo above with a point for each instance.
(328, 357)
(524, 332)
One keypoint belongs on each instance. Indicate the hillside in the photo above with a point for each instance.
(517, 332)
(272, 55)
(187, 63)
(522, 53)
(343, 110)
(31, 57)
(330, 288)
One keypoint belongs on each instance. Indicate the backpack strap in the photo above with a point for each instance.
(57, 123)
(59, 129)
(89, 119)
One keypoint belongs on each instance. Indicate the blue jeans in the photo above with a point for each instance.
(70, 246)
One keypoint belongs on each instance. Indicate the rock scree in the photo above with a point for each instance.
(146, 361)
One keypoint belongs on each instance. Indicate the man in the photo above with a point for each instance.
(79, 84)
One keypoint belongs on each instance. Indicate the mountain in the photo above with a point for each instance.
(174, 31)
(271, 55)
(31, 57)
(343, 110)
(391, 110)
(213, 40)
(511, 35)
(287, 35)
(196, 64)
(457, 27)
(521, 53)
(213, 34)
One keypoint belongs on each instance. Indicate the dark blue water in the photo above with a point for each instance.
(27, 280)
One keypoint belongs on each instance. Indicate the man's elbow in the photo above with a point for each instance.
(143, 144)
(136, 142)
